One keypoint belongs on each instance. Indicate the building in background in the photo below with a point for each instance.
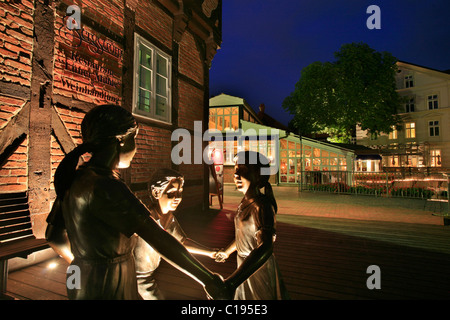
(59, 59)
(291, 155)
(423, 142)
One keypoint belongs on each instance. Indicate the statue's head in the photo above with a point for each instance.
(109, 125)
(165, 188)
(248, 170)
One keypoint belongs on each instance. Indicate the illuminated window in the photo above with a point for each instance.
(394, 161)
(435, 158)
(410, 130)
(224, 119)
(433, 127)
(433, 102)
(152, 81)
(393, 134)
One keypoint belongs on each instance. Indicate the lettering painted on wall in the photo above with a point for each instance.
(88, 65)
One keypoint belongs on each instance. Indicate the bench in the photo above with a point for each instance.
(16, 234)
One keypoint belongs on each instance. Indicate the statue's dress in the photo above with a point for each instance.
(101, 216)
(253, 216)
(148, 259)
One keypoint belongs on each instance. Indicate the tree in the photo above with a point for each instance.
(356, 89)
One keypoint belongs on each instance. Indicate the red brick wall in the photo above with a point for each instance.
(155, 21)
(13, 174)
(191, 64)
(16, 42)
(154, 147)
(105, 20)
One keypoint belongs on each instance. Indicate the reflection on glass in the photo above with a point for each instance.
(144, 100)
(161, 65)
(161, 106)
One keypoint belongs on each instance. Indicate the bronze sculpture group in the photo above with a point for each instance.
(99, 225)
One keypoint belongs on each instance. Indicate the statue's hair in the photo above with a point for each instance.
(161, 178)
(255, 162)
(102, 126)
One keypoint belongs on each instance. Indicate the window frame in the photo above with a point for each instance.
(435, 158)
(410, 105)
(408, 81)
(393, 135)
(410, 130)
(434, 100)
(140, 41)
(433, 125)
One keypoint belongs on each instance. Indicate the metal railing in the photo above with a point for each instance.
(431, 186)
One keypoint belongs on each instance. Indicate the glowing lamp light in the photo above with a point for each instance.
(52, 265)
(217, 156)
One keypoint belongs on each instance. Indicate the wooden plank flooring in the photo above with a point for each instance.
(320, 258)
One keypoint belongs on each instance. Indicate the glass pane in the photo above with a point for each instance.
(161, 106)
(436, 131)
(235, 122)
(145, 57)
(145, 78)
(235, 110)
(227, 122)
(283, 167)
(219, 123)
(212, 123)
(316, 152)
(144, 100)
(161, 86)
(161, 65)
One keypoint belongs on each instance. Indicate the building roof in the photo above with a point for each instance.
(268, 120)
(416, 66)
(226, 100)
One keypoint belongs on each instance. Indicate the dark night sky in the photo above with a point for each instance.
(266, 43)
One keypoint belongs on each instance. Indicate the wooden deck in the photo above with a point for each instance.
(320, 259)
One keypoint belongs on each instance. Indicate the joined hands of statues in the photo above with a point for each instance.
(220, 256)
(219, 289)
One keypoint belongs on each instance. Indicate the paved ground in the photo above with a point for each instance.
(325, 243)
(329, 205)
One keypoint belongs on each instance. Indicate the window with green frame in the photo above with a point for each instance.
(152, 81)
(224, 118)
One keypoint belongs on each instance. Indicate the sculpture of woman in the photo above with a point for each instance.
(165, 191)
(97, 214)
(257, 276)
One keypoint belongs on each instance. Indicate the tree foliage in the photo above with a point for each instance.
(357, 89)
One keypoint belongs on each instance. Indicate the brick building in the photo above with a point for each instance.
(59, 59)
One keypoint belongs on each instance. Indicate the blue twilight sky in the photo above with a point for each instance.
(266, 43)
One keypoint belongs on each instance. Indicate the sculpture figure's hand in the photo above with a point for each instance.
(221, 256)
(218, 289)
